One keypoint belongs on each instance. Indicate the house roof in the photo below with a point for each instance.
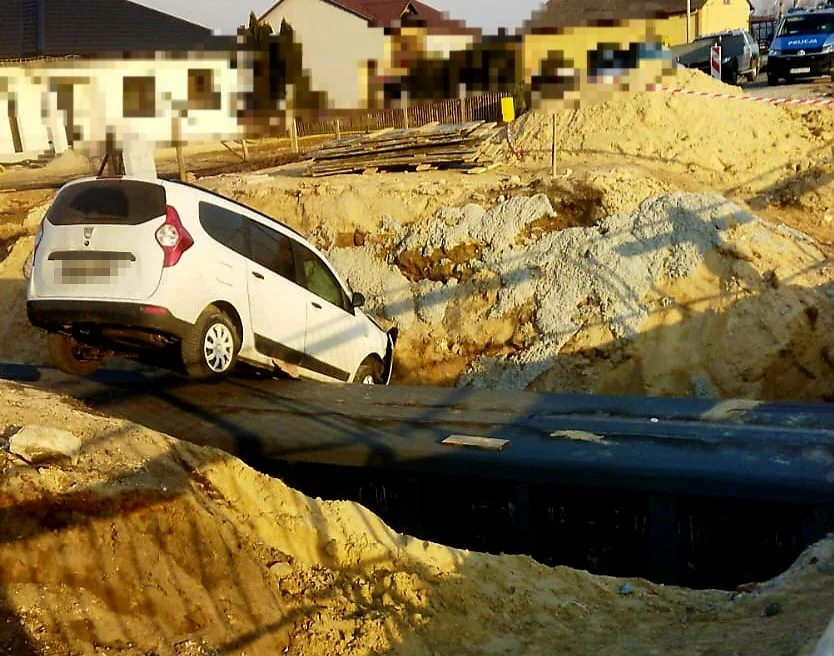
(92, 27)
(570, 13)
(398, 13)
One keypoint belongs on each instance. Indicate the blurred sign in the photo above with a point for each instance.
(507, 110)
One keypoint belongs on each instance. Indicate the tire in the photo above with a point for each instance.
(210, 349)
(754, 73)
(66, 354)
(369, 372)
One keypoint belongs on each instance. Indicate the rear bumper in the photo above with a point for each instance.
(55, 315)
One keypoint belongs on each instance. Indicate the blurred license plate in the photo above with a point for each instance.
(794, 71)
(80, 271)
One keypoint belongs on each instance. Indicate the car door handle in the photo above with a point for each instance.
(259, 276)
(316, 305)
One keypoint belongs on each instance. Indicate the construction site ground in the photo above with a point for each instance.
(682, 249)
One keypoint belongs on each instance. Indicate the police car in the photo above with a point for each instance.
(803, 46)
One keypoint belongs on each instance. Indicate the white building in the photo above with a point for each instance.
(55, 103)
(71, 71)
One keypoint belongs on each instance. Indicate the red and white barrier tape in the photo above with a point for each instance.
(730, 96)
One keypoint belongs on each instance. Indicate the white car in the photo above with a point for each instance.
(151, 269)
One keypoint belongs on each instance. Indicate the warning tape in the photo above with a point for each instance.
(747, 97)
(511, 141)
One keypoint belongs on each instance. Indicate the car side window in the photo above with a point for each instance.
(271, 250)
(319, 280)
(224, 226)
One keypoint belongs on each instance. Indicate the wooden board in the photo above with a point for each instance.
(429, 146)
(476, 442)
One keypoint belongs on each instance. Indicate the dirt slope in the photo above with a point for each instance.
(146, 545)
(775, 159)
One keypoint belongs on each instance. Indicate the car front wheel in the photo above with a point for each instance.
(369, 372)
(210, 350)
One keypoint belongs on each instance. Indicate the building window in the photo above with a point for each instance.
(139, 97)
(201, 94)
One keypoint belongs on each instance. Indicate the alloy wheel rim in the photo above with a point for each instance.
(218, 348)
(368, 380)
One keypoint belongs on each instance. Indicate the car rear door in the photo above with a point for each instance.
(99, 241)
(334, 333)
(277, 303)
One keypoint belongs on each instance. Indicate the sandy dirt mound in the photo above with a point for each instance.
(687, 295)
(20, 216)
(776, 159)
(19, 341)
(688, 131)
(348, 204)
(143, 545)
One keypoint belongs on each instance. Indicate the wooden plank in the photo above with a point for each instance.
(477, 442)
(484, 169)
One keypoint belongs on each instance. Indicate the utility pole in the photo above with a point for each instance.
(688, 14)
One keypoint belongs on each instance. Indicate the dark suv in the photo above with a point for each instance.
(739, 55)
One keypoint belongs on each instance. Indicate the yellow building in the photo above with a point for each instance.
(569, 30)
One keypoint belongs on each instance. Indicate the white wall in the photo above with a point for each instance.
(98, 101)
(335, 46)
(28, 99)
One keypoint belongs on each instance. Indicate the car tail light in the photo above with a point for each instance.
(153, 309)
(173, 238)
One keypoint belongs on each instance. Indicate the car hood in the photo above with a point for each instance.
(799, 42)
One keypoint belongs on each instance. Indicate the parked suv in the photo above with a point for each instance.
(739, 55)
(150, 268)
(803, 46)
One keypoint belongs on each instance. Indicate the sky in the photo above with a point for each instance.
(224, 16)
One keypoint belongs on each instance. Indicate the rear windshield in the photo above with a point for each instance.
(801, 25)
(120, 202)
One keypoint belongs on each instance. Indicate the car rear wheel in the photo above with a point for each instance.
(70, 356)
(369, 372)
(210, 350)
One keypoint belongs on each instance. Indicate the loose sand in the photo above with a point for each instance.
(146, 545)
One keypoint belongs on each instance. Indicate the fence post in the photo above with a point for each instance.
(405, 109)
(338, 130)
(245, 149)
(291, 124)
(462, 98)
(176, 137)
(294, 135)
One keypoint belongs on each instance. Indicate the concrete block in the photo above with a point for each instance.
(39, 444)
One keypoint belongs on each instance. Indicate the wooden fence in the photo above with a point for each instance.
(483, 107)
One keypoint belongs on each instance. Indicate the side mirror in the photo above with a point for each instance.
(358, 300)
